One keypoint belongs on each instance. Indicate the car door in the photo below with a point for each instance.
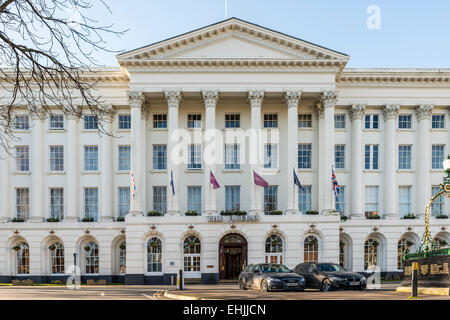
(313, 278)
(256, 276)
(249, 275)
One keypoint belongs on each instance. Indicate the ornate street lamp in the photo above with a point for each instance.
(444, 188)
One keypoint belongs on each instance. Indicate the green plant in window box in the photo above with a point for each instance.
(15, 219)
(123, 246)
(120, 219)
(52, 219)
(312, 212)
(442, 216)
(409, 216)
(191, 213)
(344, 218)
(154, 213)
(373, 216)
(274, 213)
(233, 213)
(87, 219)
(52, 247)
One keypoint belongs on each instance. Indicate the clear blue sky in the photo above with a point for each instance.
(413, 34)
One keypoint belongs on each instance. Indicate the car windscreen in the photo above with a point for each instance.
(327, 267)
(274, 268)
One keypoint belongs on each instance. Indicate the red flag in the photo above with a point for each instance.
(213, 181)
(259, 181)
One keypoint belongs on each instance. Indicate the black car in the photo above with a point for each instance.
(270, 277)
(330, 276)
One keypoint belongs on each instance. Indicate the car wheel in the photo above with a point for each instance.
(242, 285)
(326, 285)
(264, 286)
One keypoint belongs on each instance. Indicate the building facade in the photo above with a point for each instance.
(227, 100)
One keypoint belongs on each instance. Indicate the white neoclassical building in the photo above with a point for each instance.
(229, 99)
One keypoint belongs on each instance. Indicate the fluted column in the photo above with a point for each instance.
(173, 98)
(326, 154)
(72, 170)
(255, 99)
(136, 100)
(423, 186)
(210, 98)
(37, 168)
(4, 185)
(356, 207)
(107, 170)
(144, 116)
(390, 155)
(292, 99)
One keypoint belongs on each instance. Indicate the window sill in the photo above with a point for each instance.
(271, 129)
(159, 129)
(123, 172)
(21, 173)
(306, 129)
(405, 171)
(437, 170)
(21, 131)
(123, 130)
(56, 173)
(88, 130)
(269, 171)
(341, 130)
(154, 273)
(158, 171)
(371, 130)
(232, 129)
(232, 171)
(439, 130)
(193, 170)
(341, 170)
(371, 171)
(56, 131)
(90, 172)
(305, 170)
(405, 130)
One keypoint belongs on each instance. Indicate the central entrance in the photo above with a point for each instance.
(232, 256)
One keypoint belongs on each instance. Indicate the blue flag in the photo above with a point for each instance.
(297, 181)
(171, 182)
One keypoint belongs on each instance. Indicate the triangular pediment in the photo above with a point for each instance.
(232, 39)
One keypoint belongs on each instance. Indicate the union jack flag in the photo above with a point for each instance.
(334, 182)
(133, 189)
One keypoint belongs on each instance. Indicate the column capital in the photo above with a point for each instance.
(37, 113)
(135, 98)
(390, 111)
(424, 111)
(292, 98)
(357, 111)
(73, 113)
(173, 97)
(328, 99)
(210, 97)
(255, 98)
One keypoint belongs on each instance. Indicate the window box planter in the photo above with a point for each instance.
(233, 213)
(191, 213)
(442, 216)
(274, 213)
(344, 218)
(120, 219)
(312, 212)
(87, 219)
(154, 214)
(52, 219)
(15, 219)
(409, 216)
(373, 217)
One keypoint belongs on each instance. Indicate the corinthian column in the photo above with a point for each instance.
(326, 154)
(173, 98)
(107, 170)
(255, 99)
(72, 169)
(210, 98)
(37, 168)
(390, 113)
(292, 99)
(423, 189)
(356, 114)
(136, 100)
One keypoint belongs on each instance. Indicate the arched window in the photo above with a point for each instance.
(56, 257)
(192, 251)
(370, 253)
(274, 249)
(123, 257)
(22, 258)
(438, 243)
(91, 257)
(154, 255)
(311, 249)
(403, 245)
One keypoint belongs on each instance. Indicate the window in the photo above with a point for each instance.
(57, 203)
(340, 201)
(437, 121)
(194, 156)
(91, 158)
(195, 199)
(339, 121)
(22, 122)
(159, 157)
(57, 258)
(311, 249)
(56, 158)
(57, 122)
(90, 123)
(22, 158)
(437, 156)
(232, 157)
(370, 254)
(339, 156)
(404, 200)
(270, 156)
(274, 249)
(232, 198)
(270, 199)
(91, 258)
(192, 251)
(403, 245)
(123, 258)
(371, 157)
(342, 257)
(404, 157)
(160, 199)
(194, 120)
(91, 203)
(404, 121)
(271, 120)
(304, 156)
(160, 121)
(124, 158)
(23, 258)
(371, 121)
(371, 200)
(437, 208)
(23, 203)
(304, 199)
(305, 121)
(154, 255)
(124, 201)
(232, 121)
(124, 121)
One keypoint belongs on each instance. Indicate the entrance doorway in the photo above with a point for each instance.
(232, 256)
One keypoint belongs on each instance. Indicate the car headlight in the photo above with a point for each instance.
(335, 279)
(302, 280)
(274, 280)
